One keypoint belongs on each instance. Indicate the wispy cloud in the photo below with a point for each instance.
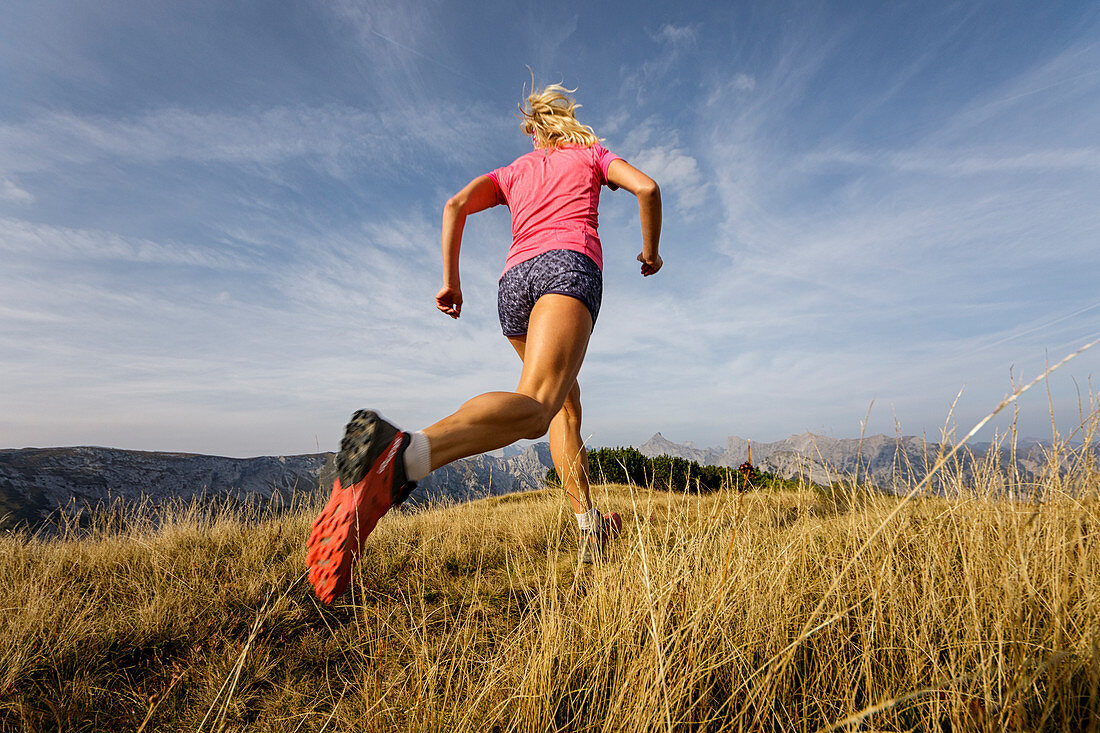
(30, 241)
(403, 39)
(946, 164)
(743, 82)
(860, 206)
(676, 35)
(678, 172)
(350, 319)
(878, 271)
(1044, 93)
(656, 149)
(10, 191)
(334, 136)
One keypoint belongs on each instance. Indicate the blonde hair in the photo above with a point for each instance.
(548, 118)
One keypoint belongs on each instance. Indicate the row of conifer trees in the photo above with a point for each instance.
(629, 466)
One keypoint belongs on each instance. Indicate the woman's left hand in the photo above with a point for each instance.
(449, 300)
(651, 265)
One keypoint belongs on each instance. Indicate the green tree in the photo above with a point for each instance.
(629, 466)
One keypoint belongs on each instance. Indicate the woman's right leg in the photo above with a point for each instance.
(371, 480)
(566, 445)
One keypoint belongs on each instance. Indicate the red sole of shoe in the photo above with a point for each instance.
(338, 533)
(612, 524)
(327, 543)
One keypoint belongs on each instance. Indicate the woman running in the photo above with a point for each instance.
(548, 300)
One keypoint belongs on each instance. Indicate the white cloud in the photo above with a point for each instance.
(401, 38)
(676, 35)
(10, 191)
(898, 271)
(676, 172)
(1055, 99)
(657, 151)
(382, 25)
(337, 138)
(743, 82)
(964, 162)
(37, 242)
(648, 82)
(814, 260)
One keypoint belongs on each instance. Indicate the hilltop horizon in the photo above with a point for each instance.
(520, 445)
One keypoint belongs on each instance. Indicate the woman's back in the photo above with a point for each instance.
(553, 195)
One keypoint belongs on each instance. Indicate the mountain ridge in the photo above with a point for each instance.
(36, 482)
(895, 462)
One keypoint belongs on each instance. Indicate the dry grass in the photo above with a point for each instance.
(792, 611)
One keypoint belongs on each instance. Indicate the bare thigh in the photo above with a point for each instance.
(572, 399)
(553, 349)
(557, 338)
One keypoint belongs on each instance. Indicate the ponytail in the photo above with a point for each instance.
(548, 119)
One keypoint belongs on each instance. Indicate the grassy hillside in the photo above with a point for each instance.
(785, 611)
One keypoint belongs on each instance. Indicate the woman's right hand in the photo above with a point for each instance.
(449, 300)
(651, 265)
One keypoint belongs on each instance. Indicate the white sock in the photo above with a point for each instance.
(590, 520)
(418, 456)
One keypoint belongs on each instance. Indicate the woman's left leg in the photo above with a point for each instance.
(557, 338)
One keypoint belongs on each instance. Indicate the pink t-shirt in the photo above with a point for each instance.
(553, 194)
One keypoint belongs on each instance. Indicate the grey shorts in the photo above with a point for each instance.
(560, 271)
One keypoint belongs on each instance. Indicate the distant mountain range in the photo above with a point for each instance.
(894, 462)
(35, 482)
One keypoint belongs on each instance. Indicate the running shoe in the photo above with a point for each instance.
(370, 481)
(594, 542)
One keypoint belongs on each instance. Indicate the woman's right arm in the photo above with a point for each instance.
(478, 195)
(624, 175)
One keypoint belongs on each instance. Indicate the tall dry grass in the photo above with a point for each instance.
(787, 611)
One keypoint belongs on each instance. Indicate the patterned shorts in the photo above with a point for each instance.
(559, 271)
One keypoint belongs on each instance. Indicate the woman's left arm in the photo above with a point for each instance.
(478, 195)
(626, 176)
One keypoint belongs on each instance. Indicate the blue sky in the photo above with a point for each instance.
(219, 222)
